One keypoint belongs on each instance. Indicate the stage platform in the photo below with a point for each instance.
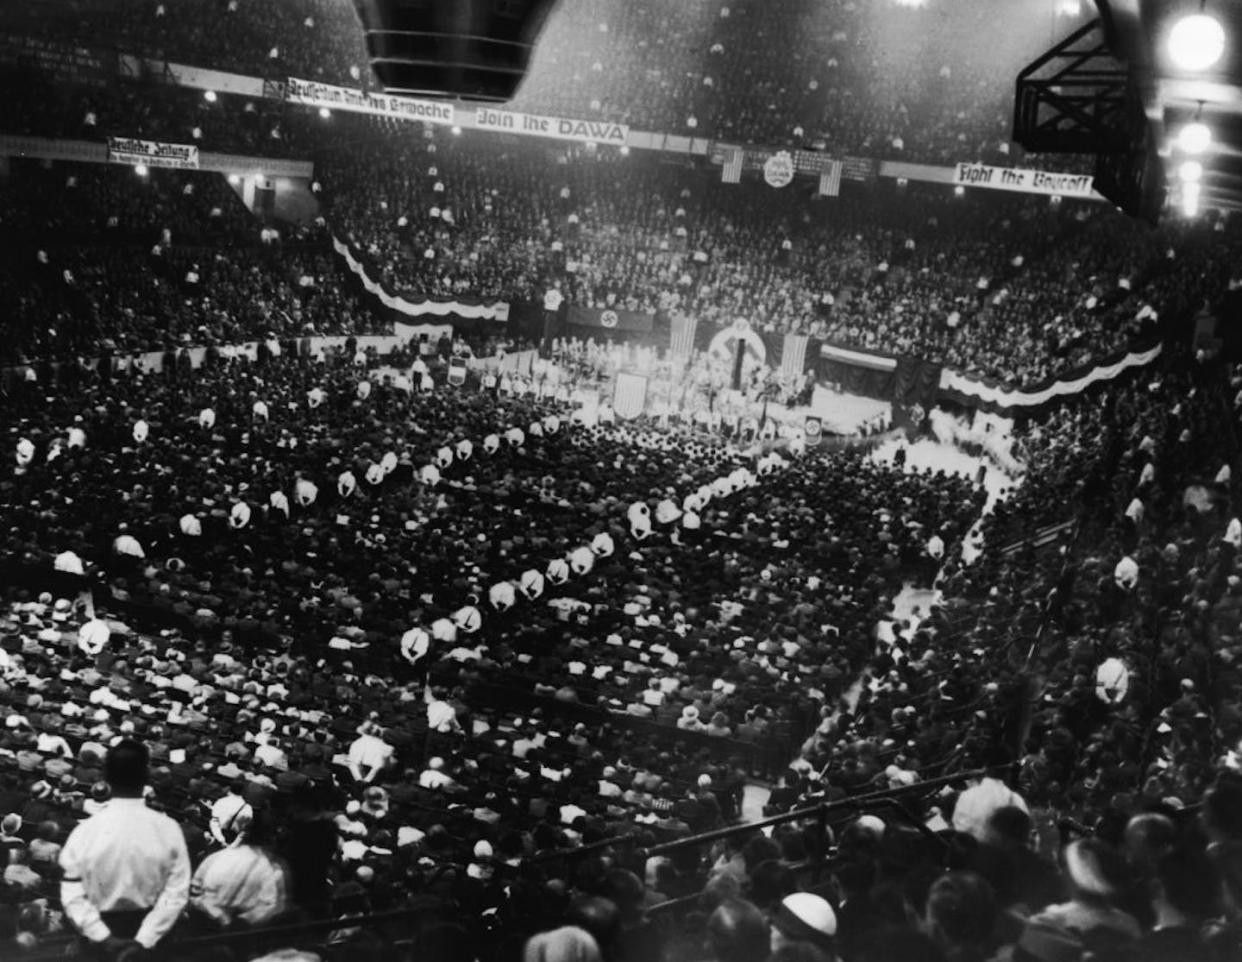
(841, 413)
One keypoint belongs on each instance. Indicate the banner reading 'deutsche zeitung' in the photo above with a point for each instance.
(311, 93)
(130, 150)
(1022, 180)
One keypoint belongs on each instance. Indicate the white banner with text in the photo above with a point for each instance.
(311, 93)
(560, 128)
(130, 150)
(1023, 180)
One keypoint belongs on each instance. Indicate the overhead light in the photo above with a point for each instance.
(141, 170)
(1194, 137)
(1190, 171)
(1190, 199)
(1196, 42)
(209, 96)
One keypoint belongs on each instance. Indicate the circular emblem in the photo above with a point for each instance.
(608, 319)
(778, 170)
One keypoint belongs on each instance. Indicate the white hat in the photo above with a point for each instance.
(415, 643)
(443, 630)
(68, 561)
(239, 517)
(582, 560)
(128, 545)
(558, 571)
(93, 635)
(803, 917)
(482, 848)
(191, 526)
(502, 595)
(468, 618)
(531, 583)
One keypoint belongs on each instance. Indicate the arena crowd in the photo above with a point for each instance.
(309, 652)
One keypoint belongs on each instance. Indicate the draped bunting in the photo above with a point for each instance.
(468, 308)
(996, 397)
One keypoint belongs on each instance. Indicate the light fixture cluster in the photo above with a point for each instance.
(1196, 42)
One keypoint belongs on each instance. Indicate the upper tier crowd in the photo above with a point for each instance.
(876, 80)
(1016, 289)
(119, 262)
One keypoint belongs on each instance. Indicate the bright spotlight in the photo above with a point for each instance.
(325, 113)
(1190, 171)
(1196, 42)
(959, 190)
(209, 96)
(1190, 199)
(234, 179)
(141, 170)
(1194, 137)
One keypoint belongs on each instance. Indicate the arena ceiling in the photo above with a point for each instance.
(1141, 33)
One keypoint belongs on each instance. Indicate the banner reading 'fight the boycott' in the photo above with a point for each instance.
(313, 94)
(1022, 180)
(560, 128)
(129, 150)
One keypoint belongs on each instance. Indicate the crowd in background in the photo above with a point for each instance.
(376, 641)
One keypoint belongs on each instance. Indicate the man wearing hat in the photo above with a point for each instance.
(805, 918)
(126, 869)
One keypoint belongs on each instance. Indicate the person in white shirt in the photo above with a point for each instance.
(441, 716)
(369, 754)
(272, 755)
(435, 776)
(244, 882)
(126, 871)
(229, 813)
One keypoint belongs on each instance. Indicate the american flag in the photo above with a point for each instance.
(793, 357)
(830, 179)
(629, 395)
(681, 339)
(731, 172)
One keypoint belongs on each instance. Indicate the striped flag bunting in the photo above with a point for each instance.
(793, 357)
(681, 337)
(830, 180)
(731, 172)
(629, 395)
